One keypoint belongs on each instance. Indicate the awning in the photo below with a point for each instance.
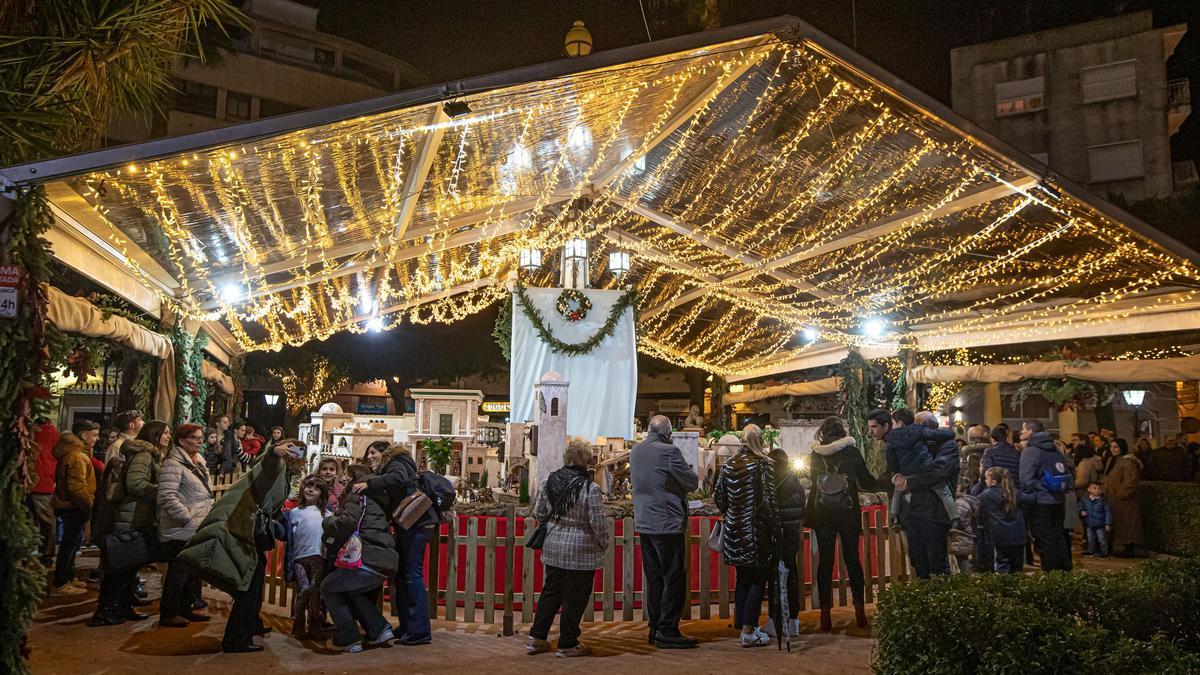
(1158, 370)
(765, 179)
(826, 385)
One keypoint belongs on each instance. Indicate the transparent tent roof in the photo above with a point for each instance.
(764, 183)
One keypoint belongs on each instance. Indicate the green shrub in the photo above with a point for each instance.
(1137, 621)
(1171, 516)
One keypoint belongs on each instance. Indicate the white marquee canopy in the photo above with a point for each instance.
(765, 179)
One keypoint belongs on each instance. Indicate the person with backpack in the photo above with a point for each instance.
(570, 505)
(361, 534)
(1045, 479)
(837, 471)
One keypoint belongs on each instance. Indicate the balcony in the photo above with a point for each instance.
(1179, 103)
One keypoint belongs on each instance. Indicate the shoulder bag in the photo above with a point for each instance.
(537, 538)
(410, 509)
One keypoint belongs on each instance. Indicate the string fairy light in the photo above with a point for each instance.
(766, 176)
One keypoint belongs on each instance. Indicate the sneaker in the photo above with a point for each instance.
(79, 584)
(534, 646)
(409, 641)
(355, 648)
(755, 638)
(67, 589)
(571, 652)
(1087, 554)
(766, 639)
(385, 637)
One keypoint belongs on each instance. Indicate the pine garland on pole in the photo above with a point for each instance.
(854, 398)
(23, 361)
(192, 389)
(627, 300)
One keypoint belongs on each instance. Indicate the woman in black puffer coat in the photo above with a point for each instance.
(745, 494)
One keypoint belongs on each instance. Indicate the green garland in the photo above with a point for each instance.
(192, 389)
(502, 331)
(23, 364)
(854, 399)
(627, 300)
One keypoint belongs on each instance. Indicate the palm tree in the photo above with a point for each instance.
(66, 68)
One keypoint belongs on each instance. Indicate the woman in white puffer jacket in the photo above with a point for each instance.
(184, 500)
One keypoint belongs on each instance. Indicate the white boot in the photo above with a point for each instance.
(794, 628)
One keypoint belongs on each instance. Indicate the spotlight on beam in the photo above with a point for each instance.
(810, 334)
(375, 324)
(232, 293)
(456, 109)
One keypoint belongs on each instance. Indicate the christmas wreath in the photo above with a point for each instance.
(573, 305)
(626, 301)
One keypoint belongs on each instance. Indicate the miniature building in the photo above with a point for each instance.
(452, 414)
(550, 416)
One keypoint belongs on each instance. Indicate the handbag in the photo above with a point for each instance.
(410, 509)
(125, 551)
(537, 538)
(264, 532)
(716, 540)
(349, 556)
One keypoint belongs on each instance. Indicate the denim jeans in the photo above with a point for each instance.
(412, 601)
(350, 596)
(72, 536)
(1097, 541)
(1010, 559)
(748, 593)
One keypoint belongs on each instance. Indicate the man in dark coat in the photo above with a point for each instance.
(925, 518)
(661, 482)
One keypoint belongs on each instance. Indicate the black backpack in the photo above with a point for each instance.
(833, 489)
(441, 492)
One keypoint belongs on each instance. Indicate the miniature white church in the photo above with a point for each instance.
(550, 415)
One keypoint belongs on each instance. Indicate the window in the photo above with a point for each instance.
(1019, 97)
(1110, 81)
(269, 108)
(196, 98)
(1115, 161)
(237, 105)
(446, 424)
(554, 407)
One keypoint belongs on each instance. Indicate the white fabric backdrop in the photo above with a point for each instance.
(603, 383)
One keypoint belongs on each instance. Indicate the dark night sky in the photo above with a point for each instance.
(449, 39)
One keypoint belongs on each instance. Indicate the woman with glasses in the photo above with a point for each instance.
(184, 500)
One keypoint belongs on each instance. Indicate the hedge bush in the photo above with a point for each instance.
(1144, 620)
(1171, 516)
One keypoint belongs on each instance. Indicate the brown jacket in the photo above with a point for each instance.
(74, 477)
(1121, 487)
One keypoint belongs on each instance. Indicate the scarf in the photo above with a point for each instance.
(564, 487)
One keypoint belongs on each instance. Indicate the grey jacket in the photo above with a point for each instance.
(578, 539)
(184, 500)
(661, 481)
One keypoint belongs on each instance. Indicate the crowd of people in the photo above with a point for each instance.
(147, 498)
(988, 500)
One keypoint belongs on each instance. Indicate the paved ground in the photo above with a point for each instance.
(62, 643)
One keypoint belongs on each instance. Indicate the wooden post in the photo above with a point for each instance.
(993, 413)
(705, 578)
(627, 576)
(910, 387)
(435, 559)
(472, 565)
(452, 570)
(510, 550)
(608, 582)
(527, 577)
(489, 573)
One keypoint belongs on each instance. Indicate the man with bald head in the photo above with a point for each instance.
(661, 482)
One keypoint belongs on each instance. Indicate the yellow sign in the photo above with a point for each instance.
(496, 406)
